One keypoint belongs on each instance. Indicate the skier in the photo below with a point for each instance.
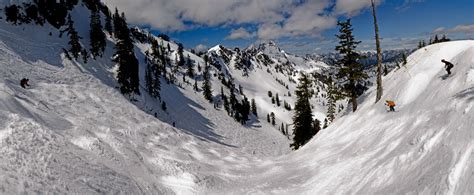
(24, 82)
(448, 66)
(391, 105)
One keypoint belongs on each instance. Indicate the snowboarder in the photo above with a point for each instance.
(24, 82)
(391, 105)
(174, 124)
(448, 66)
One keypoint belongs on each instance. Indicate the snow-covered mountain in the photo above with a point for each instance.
(73, 131)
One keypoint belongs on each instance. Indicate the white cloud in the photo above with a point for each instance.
(467, 29)
(407, 4)
(353, 7)
(240, 33)
(273, 18)
(200, 48)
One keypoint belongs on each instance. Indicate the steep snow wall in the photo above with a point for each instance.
(426, 147)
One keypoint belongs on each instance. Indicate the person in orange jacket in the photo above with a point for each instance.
(391, 105)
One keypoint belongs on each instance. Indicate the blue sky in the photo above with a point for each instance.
(300, 26)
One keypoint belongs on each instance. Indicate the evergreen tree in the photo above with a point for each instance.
(350, 69)
(436, 39)
(124, 57)
(245, 111)
(268, 118)
(74, 37)
(241, 90)
(180, 61)
(85, 55)
(277, 100)
(226, 104)
(420, 45)
(190, 70)
(303, 116)
(222, 92)
(272, 116)
(108, 22)
(148, 78)
(12, 13)
(206, 86)
(316, 126)
(444, 39)
(254, 108)
(163, 106)
(404, 59)
(282, 128)
(97, 36)
(233, 99)
(331, 102)
(195, 86)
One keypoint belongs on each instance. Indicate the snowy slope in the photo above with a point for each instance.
(426, 147)
(73, 132)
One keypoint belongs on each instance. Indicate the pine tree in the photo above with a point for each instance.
(254, 108)
(303, 116)
(190, 70)
(85, 55)
(316, 126)
(331, 102)
(97, 36)
(233, 99)
(180, 61)
(163, 106)
(125, 58)
(268, 118)
(350, 70)
(195, 86)
(148, 79)
(108, 22)
(12, 13)
(436, 39)
(282, 128)
(404, 59)
(76, 47)
(206, 86)
(277, 100)
(226, 104)
(272, 116)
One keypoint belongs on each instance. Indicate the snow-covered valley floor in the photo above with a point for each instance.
(73, 132)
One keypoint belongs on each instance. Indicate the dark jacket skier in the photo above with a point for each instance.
(24, 82)
(448, 66)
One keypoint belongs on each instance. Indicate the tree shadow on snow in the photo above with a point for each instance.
(183, 112)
